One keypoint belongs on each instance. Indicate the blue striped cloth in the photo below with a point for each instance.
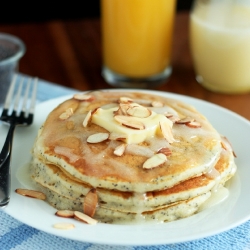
(18, 236)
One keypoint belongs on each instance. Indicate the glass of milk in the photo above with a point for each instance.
(220, 44)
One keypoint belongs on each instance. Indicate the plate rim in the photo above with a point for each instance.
(58, 100)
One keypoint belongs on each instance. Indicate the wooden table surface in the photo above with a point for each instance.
(69, 53)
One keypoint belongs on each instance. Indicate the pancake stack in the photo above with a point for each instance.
(147, 157)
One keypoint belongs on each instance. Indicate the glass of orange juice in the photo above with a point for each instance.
(220, 44)
(136, 41)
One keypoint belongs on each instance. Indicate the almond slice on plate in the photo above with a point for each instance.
(98, 137)
(225, 143)
(168, 114)
(173, 118)
(90, 202)
(31, 193)
(189, 121)
(139, 111)
(165, 151)
(87, 119)
(167, 131)
(123, 107)
(66, 114)
(155, 161)
(65, 213)
(193, 124)
(129, 121)
(95, 110)
(83, 97)
(118, 112)
(85, 218)
(185, 120)
(64, 226)
(119, 151)
(157, 104)
(124, 99)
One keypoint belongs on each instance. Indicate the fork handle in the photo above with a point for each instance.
(5, 172)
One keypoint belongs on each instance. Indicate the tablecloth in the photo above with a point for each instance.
(18, 236)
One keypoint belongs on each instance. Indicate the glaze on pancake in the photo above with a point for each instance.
(67, 163)
(195, 150)
(63, 192)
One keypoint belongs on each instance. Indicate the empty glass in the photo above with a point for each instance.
(11, 50)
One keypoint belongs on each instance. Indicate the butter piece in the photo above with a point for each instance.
(105, 119)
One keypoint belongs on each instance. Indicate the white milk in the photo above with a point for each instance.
(220, 45)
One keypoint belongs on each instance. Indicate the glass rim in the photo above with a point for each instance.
(14, 40)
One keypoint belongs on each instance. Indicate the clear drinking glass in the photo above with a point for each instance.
(11, 50)
(220, 44)
(137, 41)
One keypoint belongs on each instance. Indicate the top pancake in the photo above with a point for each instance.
(63, 142)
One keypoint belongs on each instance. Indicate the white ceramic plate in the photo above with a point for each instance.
(228, 214)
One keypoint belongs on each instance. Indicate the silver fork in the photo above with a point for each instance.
(18, 110)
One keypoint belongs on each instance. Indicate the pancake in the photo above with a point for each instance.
(64, 192)
(201, 147)
(147, 156)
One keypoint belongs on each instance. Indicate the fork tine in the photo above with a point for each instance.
(21, 103)
(33, 98)
(10, 93)
(25, 99)
(29, 100)
(18, 96)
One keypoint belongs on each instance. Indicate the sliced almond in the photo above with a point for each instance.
(90, 202)
(174, 118)
(225, 143)
(189, 121)
(31, 193)
(83, 97)
(94, 111)
(66, 114)
(168, 115)
(123, 108)
(65, 213)
(85, 218)
(87, 119)
(118, 112)
(157, 104)
(167, 131)
(98, 137)
(119, 151)
(193, 124)
(155, 161)
(165, 151)
(185, 120)
(139, 111)
(124, 99)
(64, 226)
(129, 121)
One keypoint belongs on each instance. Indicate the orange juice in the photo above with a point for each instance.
(137, 36)
(220, 44)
